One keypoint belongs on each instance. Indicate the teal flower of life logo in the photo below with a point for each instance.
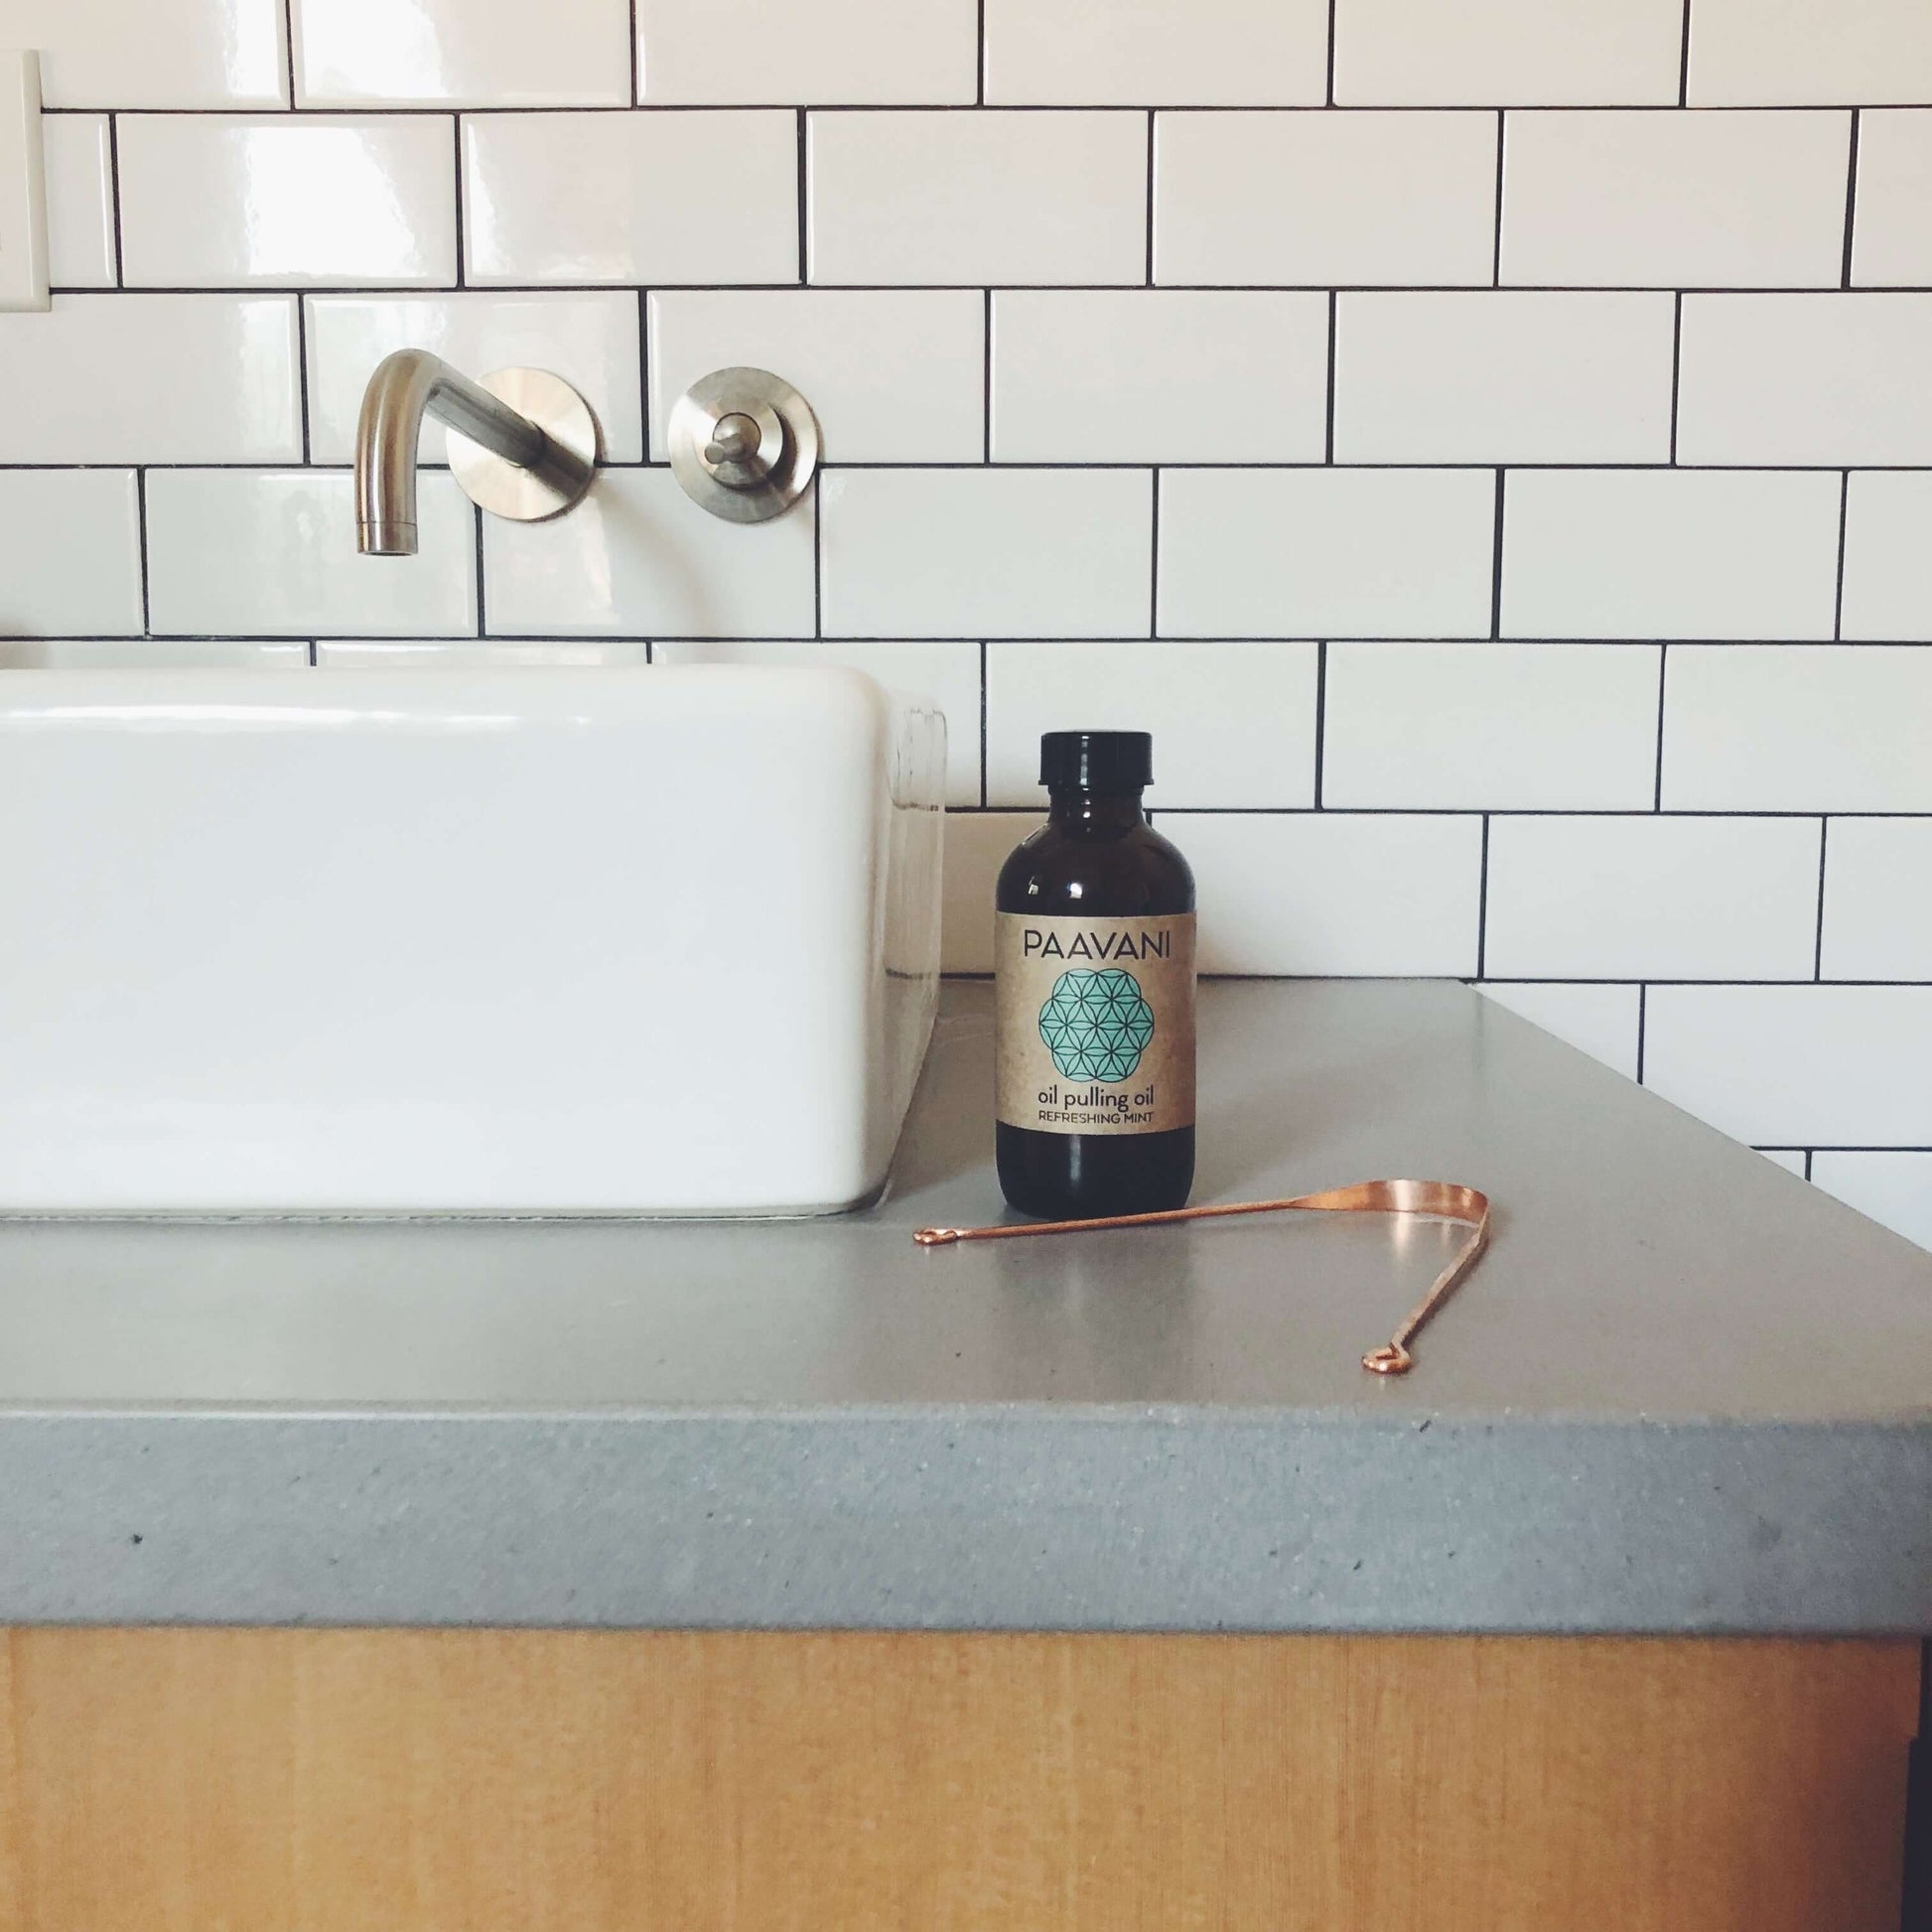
(1097, 1025)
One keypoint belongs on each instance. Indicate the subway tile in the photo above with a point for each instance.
(1646, 897)
(264, 553)
(1823, 728)
(1804, 379)
(152, 654)
(1892, 229)
(1398, 197)
(1327, 553)
(1600, 1021)
(1669, 553)
(630, 197)
(473, 653)
(637, 558)
(461, 53)
(1892, 1189)
(153, 53)
(1481, 52)
(987, 553)
(946, 672)
(1503, 376)
(70, 553)
(1480, 727)
(1233, 723)
(893, 375)
(590, 340)
(977, 844)
(1676, 200)
(852, 53)
(1809, 51)
(1160, 375)
(1887, 559)
(1796, 1065)
(151, 378)
(79, 200)
(1157, 53)
(1878, 900)
(990, 196)
(1308, 893)
(237, 201)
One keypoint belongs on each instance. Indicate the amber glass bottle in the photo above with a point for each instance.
(1094, 968)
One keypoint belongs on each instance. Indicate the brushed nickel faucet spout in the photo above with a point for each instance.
(506, 461)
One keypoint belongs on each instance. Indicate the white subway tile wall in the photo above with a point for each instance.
(1503, 376)
(252, 200)
(461, 53)
(1480, 469)
(1892, 238)
(1643, 200)
(1878, 900)
(1421, 53)
(77, 153)
(894, 375)
(1482, 726)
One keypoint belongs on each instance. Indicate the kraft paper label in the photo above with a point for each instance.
(1094, 1022)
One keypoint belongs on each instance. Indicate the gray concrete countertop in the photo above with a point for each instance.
(1683, 1392)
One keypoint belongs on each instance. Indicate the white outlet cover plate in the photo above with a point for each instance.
(23, 191)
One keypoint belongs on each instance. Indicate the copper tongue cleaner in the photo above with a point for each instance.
(1442, 1200)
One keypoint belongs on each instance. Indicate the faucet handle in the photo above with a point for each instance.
(746, 446)
(743, 444)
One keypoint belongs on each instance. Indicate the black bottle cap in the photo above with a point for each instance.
(1096, 761)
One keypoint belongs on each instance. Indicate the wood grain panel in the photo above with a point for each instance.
(465, 1781)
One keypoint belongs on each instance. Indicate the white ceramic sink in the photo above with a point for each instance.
(625, 940)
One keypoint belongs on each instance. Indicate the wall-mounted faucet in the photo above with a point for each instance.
(523, 445)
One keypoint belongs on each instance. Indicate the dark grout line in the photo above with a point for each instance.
(401, 291)
(979, 52)
(1818, 955)
(1496, 259)
(1150, 198)
(1328, 451)
(1331, 53)
(1496, 565)
(1850, 201)
(288, 52)
(1321, 715)
(984, 705)
(1280, 110)
(804, 204)
(1663, 675)
(1676, 364)
(1684, 60)
(1844, 520)
(644, 371)
(141, 524)
(114, 190)
(1482, 903)
(461, 238)
(1643, 1000)
(986, 379)
(637, 76)
(1153, 559)
(302, 370)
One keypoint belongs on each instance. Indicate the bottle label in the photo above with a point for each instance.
(1094, 1022)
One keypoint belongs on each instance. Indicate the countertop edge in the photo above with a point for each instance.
(1019, 1518)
